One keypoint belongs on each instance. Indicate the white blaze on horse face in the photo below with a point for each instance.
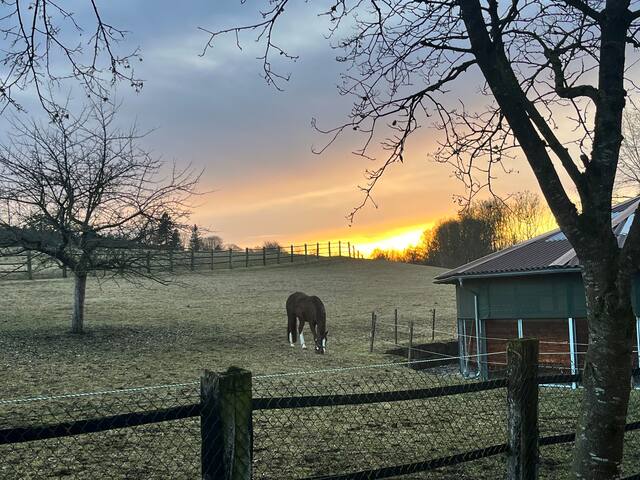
(302, 340)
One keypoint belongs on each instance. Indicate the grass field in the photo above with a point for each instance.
(149, 333)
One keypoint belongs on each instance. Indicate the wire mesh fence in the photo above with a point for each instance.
(372, 420)
(360, 422)
(25, 264)
(140, 433)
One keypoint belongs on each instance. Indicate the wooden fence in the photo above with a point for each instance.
(226, 407)
(29, 264)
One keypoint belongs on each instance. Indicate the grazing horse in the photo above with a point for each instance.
(303, 308)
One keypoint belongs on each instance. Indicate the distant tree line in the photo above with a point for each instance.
(483, 228)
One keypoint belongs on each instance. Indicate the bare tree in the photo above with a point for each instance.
(527, 217)
(543, 63)
(94, 192)
(213, 242)
(43, 45)
(628, 180)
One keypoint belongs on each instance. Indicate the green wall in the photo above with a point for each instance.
(558, 295)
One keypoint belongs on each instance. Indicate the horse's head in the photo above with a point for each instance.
(321, 343)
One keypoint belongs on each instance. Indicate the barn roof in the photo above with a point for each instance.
(548, 253)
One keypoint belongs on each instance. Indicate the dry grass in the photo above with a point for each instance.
(148, 334)
(151, 334)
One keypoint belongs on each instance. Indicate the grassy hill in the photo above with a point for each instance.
(148, 333)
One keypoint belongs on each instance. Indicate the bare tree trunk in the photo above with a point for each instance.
(607, 373)
(77, 320)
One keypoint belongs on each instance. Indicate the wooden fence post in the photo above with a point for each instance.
(226, 425)
(522, 409)
(29, 266)
(329, 244)
(339, 248)
(373, 331)
(395, 325)
(246, 256)
(291, 253)
(264, 256)
(278, 257)
(230, 258)
(409, 352)
(305, 252)
(317, 250)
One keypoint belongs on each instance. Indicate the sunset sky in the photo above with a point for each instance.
(255, 143)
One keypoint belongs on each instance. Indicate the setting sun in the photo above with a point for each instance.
(397, 239)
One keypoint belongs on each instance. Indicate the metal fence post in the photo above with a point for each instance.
(395, 325)
(433, 325)
(373, 331)
(409, 350)
(226, 425)
(522, 409)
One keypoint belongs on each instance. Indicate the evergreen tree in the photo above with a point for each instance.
(195, 242)
(175, 242)
(164, 231)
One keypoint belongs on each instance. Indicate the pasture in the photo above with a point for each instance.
(147, 333)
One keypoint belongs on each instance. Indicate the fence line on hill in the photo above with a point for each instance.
(26, 264)
(394, 422)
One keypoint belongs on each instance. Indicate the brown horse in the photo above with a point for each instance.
(303, 308)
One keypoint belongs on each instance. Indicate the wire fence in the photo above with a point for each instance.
(372, 421)
(26, 264)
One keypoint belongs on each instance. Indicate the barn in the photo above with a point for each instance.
(533, 289)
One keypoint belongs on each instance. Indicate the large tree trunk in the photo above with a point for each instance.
(607, 373)
(77, 320)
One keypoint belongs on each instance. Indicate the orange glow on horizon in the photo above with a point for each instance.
(396, 239)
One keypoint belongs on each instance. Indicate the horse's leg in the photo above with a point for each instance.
(312, 326)
(291, 328)
(300, 327)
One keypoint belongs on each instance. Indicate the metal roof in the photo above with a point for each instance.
(548, 253)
